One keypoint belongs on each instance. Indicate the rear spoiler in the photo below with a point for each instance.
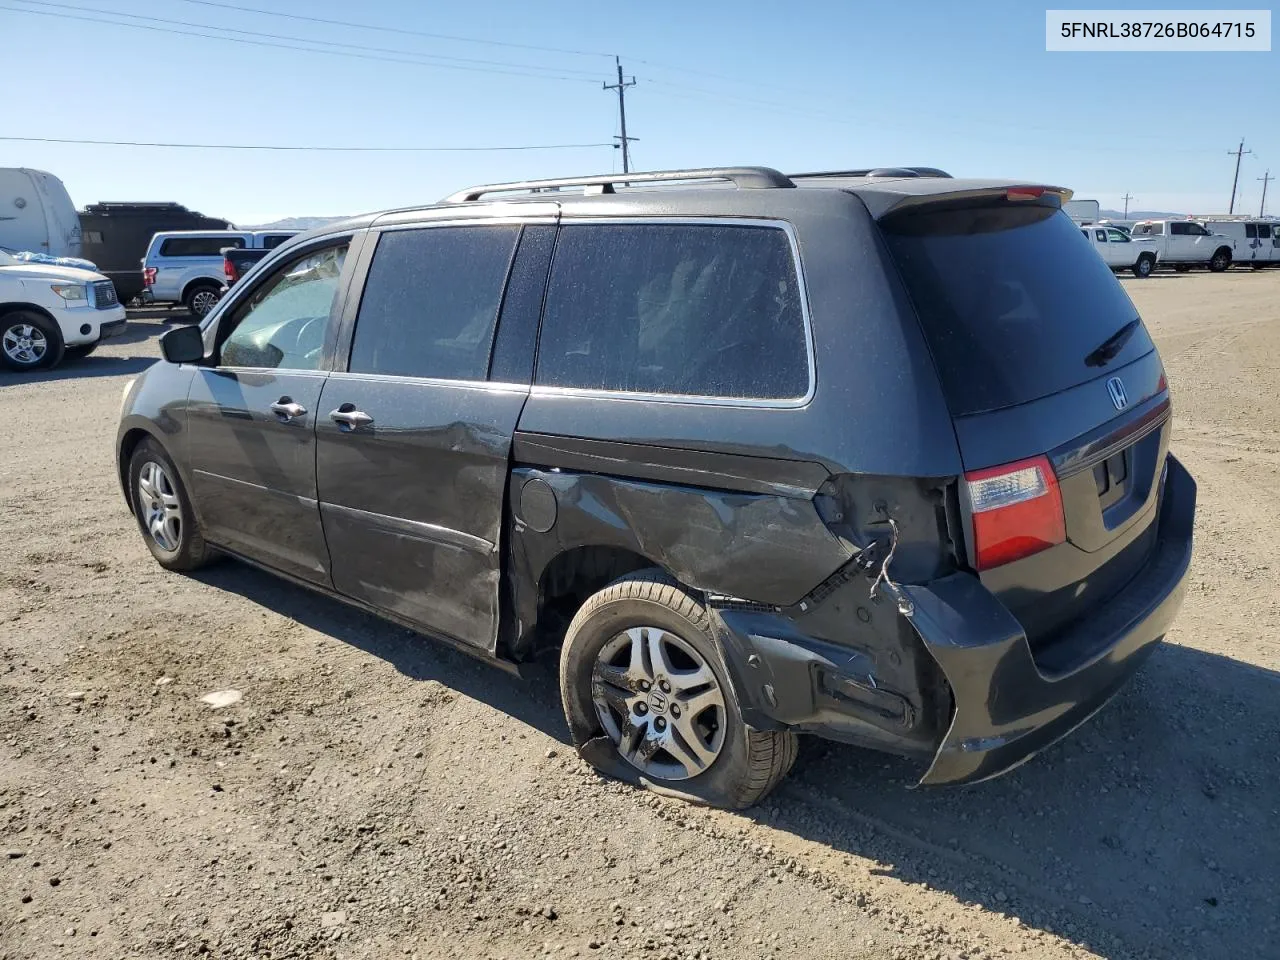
(903, 195)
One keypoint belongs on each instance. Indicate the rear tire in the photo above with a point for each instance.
(730, 765)
(29, 341)
(200, 299)
(162, 508)
(1144, 267)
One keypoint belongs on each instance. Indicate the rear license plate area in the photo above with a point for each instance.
(1111, 477)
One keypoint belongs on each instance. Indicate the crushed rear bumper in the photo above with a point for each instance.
(1007, 708)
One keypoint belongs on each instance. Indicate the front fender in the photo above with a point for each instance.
(155, 404)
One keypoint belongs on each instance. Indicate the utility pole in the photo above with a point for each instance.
(624, 140)
(1239, 152)
(1126, 198)
(1262, 209)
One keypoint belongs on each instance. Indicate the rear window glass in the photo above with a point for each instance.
(696, 310)
(1010, 300)
(273, 240)
(198, 246)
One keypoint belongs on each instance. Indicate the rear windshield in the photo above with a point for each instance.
(1012, 300)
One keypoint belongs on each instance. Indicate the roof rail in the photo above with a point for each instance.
(744, 178)
(879, 172)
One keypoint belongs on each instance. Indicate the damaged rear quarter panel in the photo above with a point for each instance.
(768, 548)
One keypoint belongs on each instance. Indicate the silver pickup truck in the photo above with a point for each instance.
(185, 266)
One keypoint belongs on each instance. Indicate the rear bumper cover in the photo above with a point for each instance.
(1007, 708)
(1007, 705)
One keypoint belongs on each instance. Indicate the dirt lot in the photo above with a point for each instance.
(372, 795)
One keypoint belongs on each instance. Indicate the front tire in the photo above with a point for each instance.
(200, 299)
(1143, 268)
(1221, 260)
(163, 509)
(29, 341)
(640, 668)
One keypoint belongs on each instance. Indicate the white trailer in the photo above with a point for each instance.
(36, 213)
(1083, 211)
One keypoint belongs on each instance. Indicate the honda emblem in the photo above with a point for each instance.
(1115, 387)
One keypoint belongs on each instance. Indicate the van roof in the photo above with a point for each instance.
(882, 189)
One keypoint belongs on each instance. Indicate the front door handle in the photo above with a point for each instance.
(347, 417)
(287, 410)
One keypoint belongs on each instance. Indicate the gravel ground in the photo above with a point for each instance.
(371, 795)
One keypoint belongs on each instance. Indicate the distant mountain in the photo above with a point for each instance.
(294, 223)
(1140, 215)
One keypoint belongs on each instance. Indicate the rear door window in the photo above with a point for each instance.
(431, 302)
(1010, 304)
(273, 240)
(694, 310)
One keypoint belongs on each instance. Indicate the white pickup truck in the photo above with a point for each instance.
(1121, 251)
(1183, 244)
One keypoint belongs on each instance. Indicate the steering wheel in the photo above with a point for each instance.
(310, 340)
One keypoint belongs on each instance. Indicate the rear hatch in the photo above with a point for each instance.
(1058, 399)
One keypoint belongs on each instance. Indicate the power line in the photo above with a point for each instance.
(283, 46)
(397, 30)
(316, 149)
(328, 43)
(624, 141)
(1239, 152)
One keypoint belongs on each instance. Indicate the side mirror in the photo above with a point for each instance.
(183, 345)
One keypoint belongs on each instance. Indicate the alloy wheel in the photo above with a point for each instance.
(659, 702)
(159, 506)
(24, 344)
(202, 301)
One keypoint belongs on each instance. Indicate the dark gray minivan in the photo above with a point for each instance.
(878, 455)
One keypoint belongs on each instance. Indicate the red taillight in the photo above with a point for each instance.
(229, 270)
(1017, 511)
(148, 276)
(1024, 193)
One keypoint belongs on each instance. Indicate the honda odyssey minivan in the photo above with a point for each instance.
(877, 455)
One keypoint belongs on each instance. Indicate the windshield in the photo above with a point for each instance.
(1011, 299)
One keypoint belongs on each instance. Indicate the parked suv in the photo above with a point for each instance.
(50, 310)
(185, 266)
(876, 455)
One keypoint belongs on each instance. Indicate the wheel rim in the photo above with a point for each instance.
(1144, 267)
(25, 344)
(1219, 262)
(159, 506)
(202, 301)
(659, 702)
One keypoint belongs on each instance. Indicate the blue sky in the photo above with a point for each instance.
(809, 85)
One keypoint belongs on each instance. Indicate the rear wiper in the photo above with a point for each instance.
(1111, 346)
